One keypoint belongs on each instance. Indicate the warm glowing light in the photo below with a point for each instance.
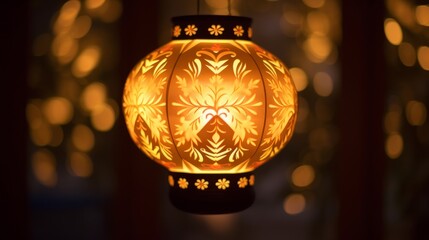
(407, 54)
(104, 118)
(394, 145)
(110, 11)
(93, 4)
(66, 16)
(392, 120)
(57, 136)
(294, 204)
(318, 21)
(393, 31)
(303, 176)
(211, 95)
(422, 15)
(219, 223)
(44, 167)
(423, 57)
(81, 27)
(80, 164)
(58, 110)
(317, 47)
(83, 138)
(416, 113)
(94, 96)
(314, 3)
(34, 115)
(42, 135)
(64, 47)
(299, 78)
(210, 106)
(323, 84)
(86, 61)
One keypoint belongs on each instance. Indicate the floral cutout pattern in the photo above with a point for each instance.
(242, 183)
(176, 31)
(183, 183)
(201, 184)
(221, 184)
(238, 31)
(216, 30)
(191, 30)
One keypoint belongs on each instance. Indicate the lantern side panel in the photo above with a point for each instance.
(216, 105)
(144, 105)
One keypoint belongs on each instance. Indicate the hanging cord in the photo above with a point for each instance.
(198, 7)
(229, 7)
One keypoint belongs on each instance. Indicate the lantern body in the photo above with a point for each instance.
(210, 106)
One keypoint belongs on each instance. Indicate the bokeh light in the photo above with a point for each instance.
(393, 31)
(294, 204)
(303, 175)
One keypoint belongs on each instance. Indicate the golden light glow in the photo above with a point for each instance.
(94, 96)
(80, 164)
(64, 47)
(110, 11)
(82, 138)
(323, 84)
(314, 3)
(392, 120)
(393, 31)
(318, 21)
(93, 4)
(86, 61)
(44, 167)
(81, 27)
(231, 105)
(58, 110)
(422, 15)
(294, 204)
(423, 57)
(416, 113)
(299, 78)
(66, 16)
(407, 54)
(318, 47)
(394, 145)
(104, 118)
(303, 176)
(42, 135)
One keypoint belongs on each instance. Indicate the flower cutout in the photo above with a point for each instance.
(183, 183)
(252, 180)
(176, 31)
(171, 180)
(201, 184)
(250, 32)
(242, 183)
(222, 183)
(216, 30)
(191, 30)
(238, 31)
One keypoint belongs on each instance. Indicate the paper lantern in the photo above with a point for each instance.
(211, 106)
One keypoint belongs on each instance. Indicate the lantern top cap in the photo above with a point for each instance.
(211, 27)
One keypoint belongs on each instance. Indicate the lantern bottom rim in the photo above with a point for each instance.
(213, 193)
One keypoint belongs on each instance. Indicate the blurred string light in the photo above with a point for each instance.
(406, 29)
(316, 31)
(61, 117)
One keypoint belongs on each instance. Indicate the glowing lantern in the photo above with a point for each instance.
(210, 106)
